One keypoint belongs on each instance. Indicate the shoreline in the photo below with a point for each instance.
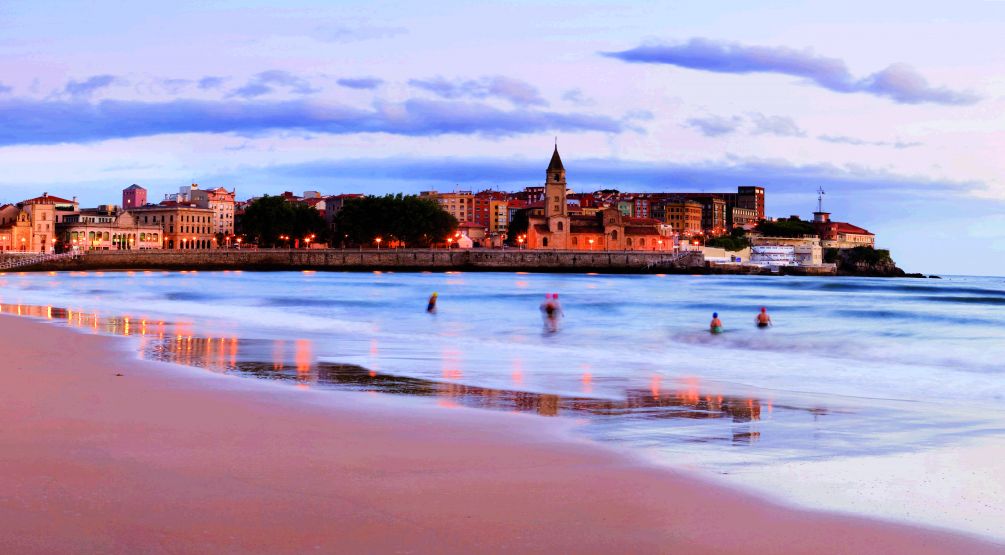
(420, 260)
(161, 459)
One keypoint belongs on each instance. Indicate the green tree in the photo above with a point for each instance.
(268, 218)
(786, 228)
(415, 221)
(735, 241)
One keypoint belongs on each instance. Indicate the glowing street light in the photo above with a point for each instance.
(591, 244)
(378, 240)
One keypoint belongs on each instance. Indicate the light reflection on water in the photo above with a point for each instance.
(295, 362)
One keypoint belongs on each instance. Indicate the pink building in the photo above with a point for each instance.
(133, 196)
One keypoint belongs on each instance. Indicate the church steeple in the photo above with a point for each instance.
(554, 187)
(556, 161)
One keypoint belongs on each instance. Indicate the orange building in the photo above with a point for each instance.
(554, 228)
(183, 225)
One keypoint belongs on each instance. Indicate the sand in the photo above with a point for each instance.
(167, 459)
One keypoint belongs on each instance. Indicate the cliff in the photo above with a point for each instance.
(865, 261)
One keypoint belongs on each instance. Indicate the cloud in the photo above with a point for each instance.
(78, 121)
(842, 139)
(518, 92)
(577, 97)
(267, 82)
(897, 82)
(715, 126)
(360, 82)
(174, 86)
(356, 32)
(211, 82)
(87, 87)
(756, 123)
(4, 89)
(781, 126)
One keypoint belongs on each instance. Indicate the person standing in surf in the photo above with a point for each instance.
(552, 311)
(762, 319)
(431, 307)
(716, 325)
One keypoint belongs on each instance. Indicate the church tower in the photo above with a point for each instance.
(554, 187)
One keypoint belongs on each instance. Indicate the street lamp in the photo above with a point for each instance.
(591, 244)
(378, 240)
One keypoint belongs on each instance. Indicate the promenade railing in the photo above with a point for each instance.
(13, 261)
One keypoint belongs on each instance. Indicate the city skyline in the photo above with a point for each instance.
(375, 98)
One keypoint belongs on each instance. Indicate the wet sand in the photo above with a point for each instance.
(168, 459)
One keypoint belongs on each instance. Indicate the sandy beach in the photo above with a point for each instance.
(104, 452)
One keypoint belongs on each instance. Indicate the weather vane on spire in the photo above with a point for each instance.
(820, 199)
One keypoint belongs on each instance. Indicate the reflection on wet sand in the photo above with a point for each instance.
(295, 361)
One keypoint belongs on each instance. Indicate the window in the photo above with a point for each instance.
(614, 235)
(575, 240)
(544, 241)
(561, 226)
(642, 242)
(628, 241)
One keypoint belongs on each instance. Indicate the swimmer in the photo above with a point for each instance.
(431, 307)
(551, 311)
(762, 319)
(716, 325)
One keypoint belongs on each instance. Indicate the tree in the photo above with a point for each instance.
(786, 228)
(519, 226)
(409, 219)
(268, 218)
(735, 241)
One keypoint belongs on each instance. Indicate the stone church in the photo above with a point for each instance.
(554, 228)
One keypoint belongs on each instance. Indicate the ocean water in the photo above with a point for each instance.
(859, 382)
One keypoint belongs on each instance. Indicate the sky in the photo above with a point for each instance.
(895, 109)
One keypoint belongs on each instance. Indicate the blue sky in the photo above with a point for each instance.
(896, 109)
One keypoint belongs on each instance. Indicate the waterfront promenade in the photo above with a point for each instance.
(384, 259)
(491, 260)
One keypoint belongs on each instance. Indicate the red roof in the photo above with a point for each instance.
(313, 201)
(47, 199)
(642, 221)
(844, 227)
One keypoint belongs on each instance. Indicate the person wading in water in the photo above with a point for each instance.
(762, 319)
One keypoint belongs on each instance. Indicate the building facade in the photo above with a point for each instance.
(107, 229)
(183, 226)
(684, 216)
(221, 202)
(841, 235)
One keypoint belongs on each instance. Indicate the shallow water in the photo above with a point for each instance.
(853, 369)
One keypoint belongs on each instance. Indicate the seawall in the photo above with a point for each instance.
(385, 259)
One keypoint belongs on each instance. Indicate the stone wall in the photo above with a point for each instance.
(400, 259)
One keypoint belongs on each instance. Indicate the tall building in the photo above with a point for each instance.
(751, 198)
(221, 202)
(133, 196)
